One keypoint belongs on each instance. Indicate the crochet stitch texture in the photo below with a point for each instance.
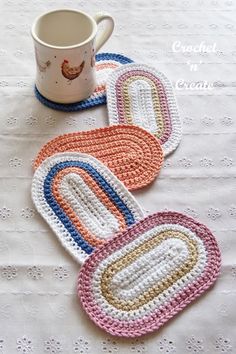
(140, 95)
(143, 277)
(105, 64)
(82, 201)
(132, 154)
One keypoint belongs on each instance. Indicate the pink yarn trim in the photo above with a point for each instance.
(161, 315)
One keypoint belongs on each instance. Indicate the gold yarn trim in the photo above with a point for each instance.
(161, 286)
(155, 100)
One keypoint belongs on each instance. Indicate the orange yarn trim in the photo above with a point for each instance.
(134, 155)
(92, 239)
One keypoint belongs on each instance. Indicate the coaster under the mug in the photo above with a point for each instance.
(105, 63)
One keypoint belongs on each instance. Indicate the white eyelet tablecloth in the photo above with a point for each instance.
(39, 308)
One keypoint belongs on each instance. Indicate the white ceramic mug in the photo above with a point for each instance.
(65, 48)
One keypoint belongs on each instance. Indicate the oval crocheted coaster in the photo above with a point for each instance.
(143, 277)
(82, 201)
(140, 95)
(105, 64)
(132, 154)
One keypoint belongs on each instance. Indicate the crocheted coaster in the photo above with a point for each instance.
(132, 154)
(140, 95)
(82, 201)
(147, 274)
(105, 64)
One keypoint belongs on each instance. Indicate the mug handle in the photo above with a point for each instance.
(107, 31)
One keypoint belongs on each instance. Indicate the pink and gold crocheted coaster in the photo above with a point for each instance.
(143, 277)
(82, 201)
(132, 154)
(140, 95)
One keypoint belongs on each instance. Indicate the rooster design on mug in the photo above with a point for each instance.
(71, 72)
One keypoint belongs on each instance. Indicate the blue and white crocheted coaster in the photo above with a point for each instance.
(105, 64)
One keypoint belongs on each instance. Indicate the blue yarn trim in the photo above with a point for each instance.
(129, 218)
(89, 102)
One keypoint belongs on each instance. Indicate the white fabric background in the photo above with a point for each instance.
(39, 308)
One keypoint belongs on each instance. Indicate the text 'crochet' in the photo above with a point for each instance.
(132, 154)
(140, 95)
(105, 64)
(82, 201)
(147, 274)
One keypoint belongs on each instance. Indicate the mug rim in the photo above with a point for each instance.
(37, 39)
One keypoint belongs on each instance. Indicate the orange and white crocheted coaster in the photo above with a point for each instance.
(134, 155)
(82, 201)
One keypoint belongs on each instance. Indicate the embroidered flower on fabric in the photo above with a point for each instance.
(226, 161)
(232, 211)
(21, 83)
(9, 272)
(229, 26)
(10, 26)
(24, 345)
(166, 346)
(138, 346)
(5, 213)
(11, 120)
(222, 310)
(32, 311)
(188, 120)
(206, 162)
(50, 120)
(27, 213)
(3, 83)
(226, 120)
(185, 162)
(61, 312)
(35, 272)
(31, 120)
(60, 273)
(90, 120)
(71, 120)
(213, 26)
(208, 121)
(192, 212)
(194, 345)
(15, 162)
(213, 213)
(81, 346)
(52, 346)
(109, 346)
(223, 345)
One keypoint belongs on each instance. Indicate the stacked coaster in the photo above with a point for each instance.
(136, 273)
(147, 274)
(82, 201)
(132, 154)
(105, 64)
(140, 95)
